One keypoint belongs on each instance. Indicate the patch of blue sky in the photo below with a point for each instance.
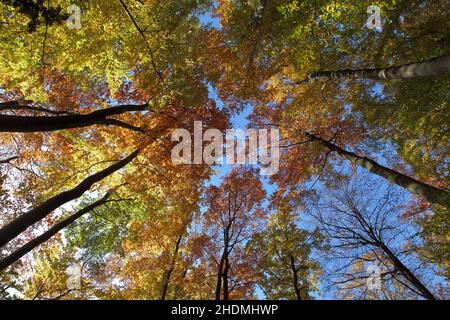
(212, 94)
(238, 121)
(210, 21)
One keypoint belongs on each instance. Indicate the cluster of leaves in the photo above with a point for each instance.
(38, 12)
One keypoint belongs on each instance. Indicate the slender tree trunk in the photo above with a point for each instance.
(432, 67)
(178, 287)
(219, 276)
(20, 224)
(19, 253)
(407, 273)
(295, 279)
(168, 274)
(223, 263)
(12, 123)
(150, 50)
(226, 292)
(432, 194)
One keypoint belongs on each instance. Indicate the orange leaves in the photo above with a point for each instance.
(239, 195)
(234, 214)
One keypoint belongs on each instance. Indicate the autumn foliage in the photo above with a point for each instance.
(87, 181)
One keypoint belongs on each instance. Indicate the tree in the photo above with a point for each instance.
(433, 227)
(156, 251)
(288, 269)
(428, 192)
(12, 123)
(19, 253)
(233, 215)
(52, 269)
(363, 230)
(434, 67)
(15, 227)
(335, 27)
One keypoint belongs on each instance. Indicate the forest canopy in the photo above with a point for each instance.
(346, 101)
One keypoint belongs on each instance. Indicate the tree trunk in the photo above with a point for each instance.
(430, 193)
(226, 292)
(178, 286)
(223, 264)
(432, 67)
(219, 276)
(295, 279)
(172, 266)
(407, 273)
(19, 253)
(12, 123)
(20, 224)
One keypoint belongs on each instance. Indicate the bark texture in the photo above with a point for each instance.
(432, 67)
(430, 193)
(13, 123)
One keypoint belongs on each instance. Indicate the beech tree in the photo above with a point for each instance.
(233, 215)
(363, 231)
(15, 227)
(19, 253)
(430, 193)
(434, 67)
(12, 123)
(286, 263)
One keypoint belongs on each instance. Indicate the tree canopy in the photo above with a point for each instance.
(91, 93)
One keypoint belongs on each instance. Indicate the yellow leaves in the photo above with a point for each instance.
(313, 282)
(107, 46)
(278, 91)
(291, 7)
(331, 8)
